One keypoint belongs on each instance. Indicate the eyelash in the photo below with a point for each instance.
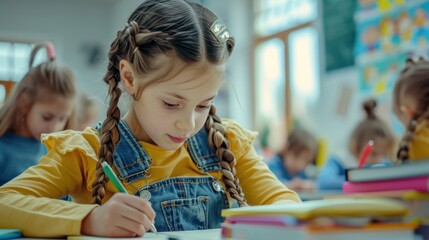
(174, 106)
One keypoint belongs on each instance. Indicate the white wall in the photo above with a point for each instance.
(71, 25)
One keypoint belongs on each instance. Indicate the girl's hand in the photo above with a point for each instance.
(123, 215)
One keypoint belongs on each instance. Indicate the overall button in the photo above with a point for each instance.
(145, 194)
(216, 186)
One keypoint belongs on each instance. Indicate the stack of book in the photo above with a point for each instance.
(320, 219)
(409, 176)
(408, 182)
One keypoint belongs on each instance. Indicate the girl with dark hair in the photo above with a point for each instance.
(180, 163)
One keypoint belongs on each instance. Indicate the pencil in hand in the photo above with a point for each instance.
(112, 177)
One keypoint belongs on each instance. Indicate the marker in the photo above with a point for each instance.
(112, 177)
(366, 151)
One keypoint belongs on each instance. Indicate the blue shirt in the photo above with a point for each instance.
(275, 164)
(18, 153)
(333, 175)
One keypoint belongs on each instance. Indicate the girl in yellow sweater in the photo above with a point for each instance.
(411, 105)
(180, 163)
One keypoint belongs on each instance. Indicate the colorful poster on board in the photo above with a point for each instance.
(401, 29)
(378, 78)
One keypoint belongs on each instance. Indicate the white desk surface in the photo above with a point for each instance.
(210, 234)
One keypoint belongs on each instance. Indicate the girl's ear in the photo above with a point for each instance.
(127, 77)
(407, 111)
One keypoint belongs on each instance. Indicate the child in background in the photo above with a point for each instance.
(289, 165)
(170, 148)
(411, 105)
(42, 102)
(88, 113)
(332, 175)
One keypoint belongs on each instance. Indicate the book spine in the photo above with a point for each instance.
(417, 183)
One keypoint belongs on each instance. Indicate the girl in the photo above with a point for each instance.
(42, 102)
(332, 175)
(180, 163)
(299, 153)
(411, 105)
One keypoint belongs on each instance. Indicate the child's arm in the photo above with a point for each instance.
(331, 176)
(259, 184)
(26, 204)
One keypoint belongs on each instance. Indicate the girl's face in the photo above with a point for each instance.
(171, 111)
(408, 108)
(47, 117)
(297, 162)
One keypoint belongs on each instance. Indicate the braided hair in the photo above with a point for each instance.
(413, 84)
(175, 28)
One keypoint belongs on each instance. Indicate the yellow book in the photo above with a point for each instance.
(343, 207)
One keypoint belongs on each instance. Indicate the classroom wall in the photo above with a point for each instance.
(74, 26)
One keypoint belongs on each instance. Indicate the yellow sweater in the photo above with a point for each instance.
(29, 202)
(419, 145)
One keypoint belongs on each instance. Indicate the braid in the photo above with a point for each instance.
(218, 141)
(109, 131)
(403, 150)
(140, 40)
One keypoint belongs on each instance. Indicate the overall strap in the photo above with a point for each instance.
(130, 158)
(201, 152)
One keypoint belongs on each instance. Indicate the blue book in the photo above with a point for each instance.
(10, 233)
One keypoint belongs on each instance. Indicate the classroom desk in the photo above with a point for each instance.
(318, 194)
(210, 234)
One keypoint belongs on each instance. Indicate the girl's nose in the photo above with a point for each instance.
(186, 123)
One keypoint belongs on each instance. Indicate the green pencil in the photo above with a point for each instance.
(112, 177)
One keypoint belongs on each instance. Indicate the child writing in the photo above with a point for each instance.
(332, 175)
(42, 102)
(288, 165)
(180, 163)
(411, 105)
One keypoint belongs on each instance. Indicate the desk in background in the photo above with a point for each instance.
(318, 194)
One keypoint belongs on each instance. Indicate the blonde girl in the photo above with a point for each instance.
(42, 102)
(180, 163)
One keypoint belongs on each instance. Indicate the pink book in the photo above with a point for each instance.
(420, 184)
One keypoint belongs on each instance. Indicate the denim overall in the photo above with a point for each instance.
(180, 203)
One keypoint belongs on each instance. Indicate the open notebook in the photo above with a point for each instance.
(210, 234)
(380, 207)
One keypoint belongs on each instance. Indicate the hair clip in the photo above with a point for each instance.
(50, 50)
(220, 31)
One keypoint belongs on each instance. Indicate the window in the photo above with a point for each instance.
(272, 16)
(14, 60)
(286, 66)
